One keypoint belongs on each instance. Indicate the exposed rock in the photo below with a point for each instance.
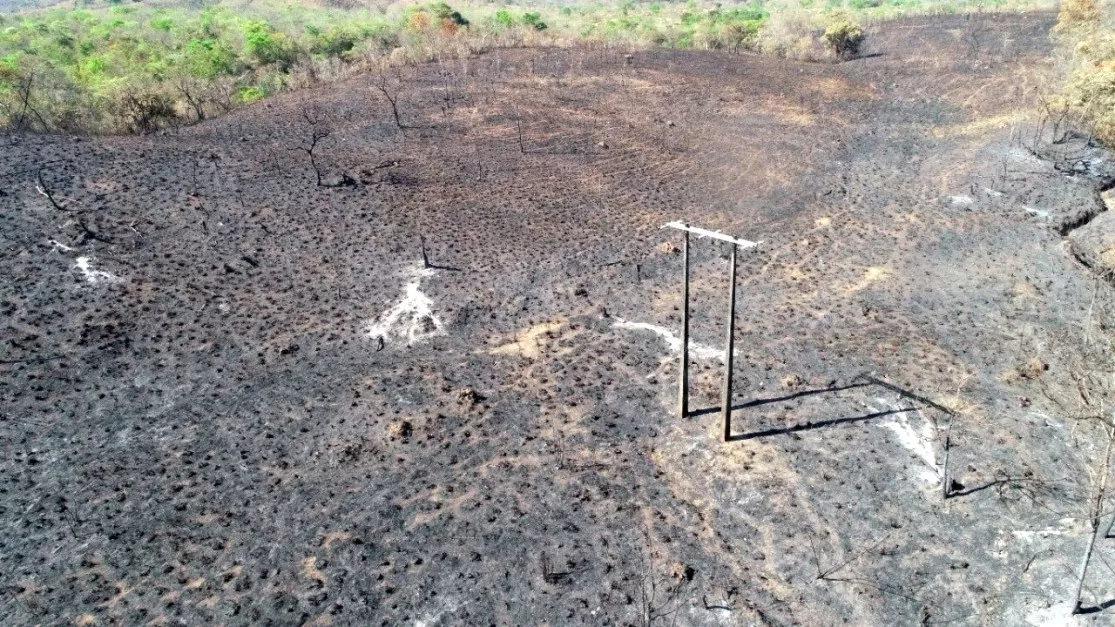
(1094, 244)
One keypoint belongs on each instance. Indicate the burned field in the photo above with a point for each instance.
(233, 392)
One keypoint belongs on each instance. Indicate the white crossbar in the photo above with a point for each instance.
(681, 226)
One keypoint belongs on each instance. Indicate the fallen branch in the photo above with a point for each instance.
(827, 574)
(89, 234)
(42, 188)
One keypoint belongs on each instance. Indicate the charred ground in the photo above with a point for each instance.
(198, 429)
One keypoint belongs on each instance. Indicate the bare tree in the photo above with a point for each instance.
(316, 135)
(519, 128)
(974, 35)
(191, 93)
(946, 480)
(447, 95)
(660, 595)
(392, 97)
(1096, 511)
(23, 91)
(659, 599)
(1055, 116)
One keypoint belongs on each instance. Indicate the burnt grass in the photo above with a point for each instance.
(209, 436)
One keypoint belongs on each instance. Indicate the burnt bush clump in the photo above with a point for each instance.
(144, 113)
(843, 36)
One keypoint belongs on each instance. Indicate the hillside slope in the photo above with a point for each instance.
(232, 395)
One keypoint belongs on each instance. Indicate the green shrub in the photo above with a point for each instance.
(742, 36)
(504, 18)
(534, 20)
(208, 58)
(93, 66)
(267, 45)
(445, 12)
(249, 94)
(335, 42)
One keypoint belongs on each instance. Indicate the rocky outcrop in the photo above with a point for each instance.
(1094, 243)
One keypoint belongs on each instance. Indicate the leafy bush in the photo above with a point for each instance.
(742, 36)
(534, 20)
(164, 24)
(268, 46)
(843, 36)
(208, 58)
(249, 94)
(445, 12)
(335, 42)
(504, 18)
(438, 14)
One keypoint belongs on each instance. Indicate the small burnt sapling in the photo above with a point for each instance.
(392, 96)
(317, 134)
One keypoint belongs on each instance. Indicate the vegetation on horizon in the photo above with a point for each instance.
(136, 67)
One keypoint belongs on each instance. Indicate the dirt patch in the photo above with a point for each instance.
(529, 343)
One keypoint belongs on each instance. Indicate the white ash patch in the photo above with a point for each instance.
(1057, 615)
(94, 277)
(1053, 584)
(412, 318)
(1038, 213)
(434, 617)
(1067, 526)
(673, 342)
(961, 200)
(919, 442)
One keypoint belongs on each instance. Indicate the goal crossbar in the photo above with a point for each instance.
(699, 232)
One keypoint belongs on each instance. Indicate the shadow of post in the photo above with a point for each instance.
(902, 392)
(861, 380)
(808, 426)
(1095, 609)
(778, 399)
